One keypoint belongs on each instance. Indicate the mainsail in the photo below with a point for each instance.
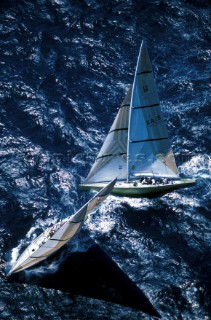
(112, 159)
(149, 149)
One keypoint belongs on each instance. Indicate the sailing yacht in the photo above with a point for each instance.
(53, 238)
(137, 149)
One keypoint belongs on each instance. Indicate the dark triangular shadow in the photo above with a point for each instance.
(92, 274)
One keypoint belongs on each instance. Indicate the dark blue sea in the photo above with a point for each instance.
(65, 66)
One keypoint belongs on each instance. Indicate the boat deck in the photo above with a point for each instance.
(138, 189)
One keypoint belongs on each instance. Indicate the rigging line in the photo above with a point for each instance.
(111, 155)
(148, 140)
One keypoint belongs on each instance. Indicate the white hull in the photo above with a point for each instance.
(37, 251)
(136, 189)
(56, 236)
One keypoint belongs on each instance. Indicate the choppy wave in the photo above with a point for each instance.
(65, 68)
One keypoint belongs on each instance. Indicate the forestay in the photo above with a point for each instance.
(149, 149)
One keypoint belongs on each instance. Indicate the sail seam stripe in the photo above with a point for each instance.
(57, 240)
(143, 72)
(120, 129)
(39, 256)
(149, 140)
(124, 105)
(111, 155)
(75, 221)
(152, 105)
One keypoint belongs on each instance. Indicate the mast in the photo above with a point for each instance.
(129, 122)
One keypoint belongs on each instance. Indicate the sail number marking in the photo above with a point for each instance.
(153, 120)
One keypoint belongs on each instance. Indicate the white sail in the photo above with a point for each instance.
(112, 159)
(149, 149)
(55, 237)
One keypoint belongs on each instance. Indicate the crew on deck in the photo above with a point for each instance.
(154, 181)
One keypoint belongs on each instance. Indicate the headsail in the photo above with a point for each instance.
(149, 149)
(112, 158)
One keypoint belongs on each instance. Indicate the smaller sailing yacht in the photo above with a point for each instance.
(137, 149)
(53, 238)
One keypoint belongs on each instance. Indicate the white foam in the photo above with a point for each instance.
(198, 166)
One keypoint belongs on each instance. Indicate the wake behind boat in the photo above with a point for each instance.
(137, 146)
(56, 236)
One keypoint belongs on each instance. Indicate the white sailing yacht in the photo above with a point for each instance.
(53, 238)
(137, 149)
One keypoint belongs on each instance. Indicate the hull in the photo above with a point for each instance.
(136, 189)
(37, 251)
(53, 238)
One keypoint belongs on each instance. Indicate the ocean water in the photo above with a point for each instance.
(65, 68)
